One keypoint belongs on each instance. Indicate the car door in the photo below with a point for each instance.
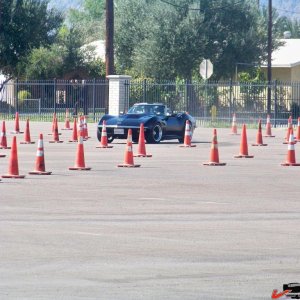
(174, 124)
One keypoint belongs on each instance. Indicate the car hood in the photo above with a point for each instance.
(127, 120)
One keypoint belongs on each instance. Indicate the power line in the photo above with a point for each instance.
(198, 9)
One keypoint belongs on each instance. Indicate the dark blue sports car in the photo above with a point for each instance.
(160, 123)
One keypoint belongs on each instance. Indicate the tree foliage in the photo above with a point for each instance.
(170, 39)
(65, 58)
(89, 20)
(286, 24)
(24, 25)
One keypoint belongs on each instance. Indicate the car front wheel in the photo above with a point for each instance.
(154, 135)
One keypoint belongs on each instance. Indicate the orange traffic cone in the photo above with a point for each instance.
(234, 126)
(291, 157)
(85, 129)
(142, 146)
(128, 158)
(244, 145)
(80, 127)
(27, 139)
(104, 142)
(53, 124)
(74, 135)
(187, 136)
(67, 121)
(40, 161)
(214, 152)
(13, 168)
(3, 140)
(298, 131)
(17, 124)
(55, 133)
(80, 161)
(259, 139)
(268, 128)
(289, 130)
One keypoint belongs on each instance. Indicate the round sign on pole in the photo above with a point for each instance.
(206, 69)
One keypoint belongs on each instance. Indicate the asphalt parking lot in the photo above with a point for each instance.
(171, 229)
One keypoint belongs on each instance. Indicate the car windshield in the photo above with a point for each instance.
(149, 109)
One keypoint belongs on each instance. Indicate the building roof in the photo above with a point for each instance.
(288, 55)
(98, 48)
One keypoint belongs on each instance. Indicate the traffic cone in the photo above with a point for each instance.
(244, 145)
(259, 139)
(291, 157)
(53, 124)
(55, 133)
(17, 124)
(67, 121)
(187, 136)
(85, 129)
(289, 130)
(40, 161)
(104, 142)
(3, 140)
(27, 139)
(74, 135)
(80, 161)
(234, 126)
(13, 168)
(142, 146)
(128, 157)
(214, 152)
(298, 131)
(80, 127)
(268, 128)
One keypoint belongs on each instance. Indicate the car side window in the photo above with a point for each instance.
(159, 110)
(169, 112)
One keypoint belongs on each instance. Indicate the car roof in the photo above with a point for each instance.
(145, 103)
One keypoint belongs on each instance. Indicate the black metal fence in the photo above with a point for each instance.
(207, 101)
(40, 99)
(217, 101)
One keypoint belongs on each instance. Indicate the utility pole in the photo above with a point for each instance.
(269, 57)
(109, 38)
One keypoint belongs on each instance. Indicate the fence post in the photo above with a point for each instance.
(118, 93)
(230, 99)
(17, 95)
(94, 95)
(275, 103)
(54, 95)
(144, 89)
(186, 92)
(205, 99)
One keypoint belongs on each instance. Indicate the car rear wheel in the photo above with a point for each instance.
(154, 135)
(110, 138)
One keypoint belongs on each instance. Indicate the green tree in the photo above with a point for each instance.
(284, 23)
(24, 25)
(66, 56)
(168, 39)
(89, 20)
